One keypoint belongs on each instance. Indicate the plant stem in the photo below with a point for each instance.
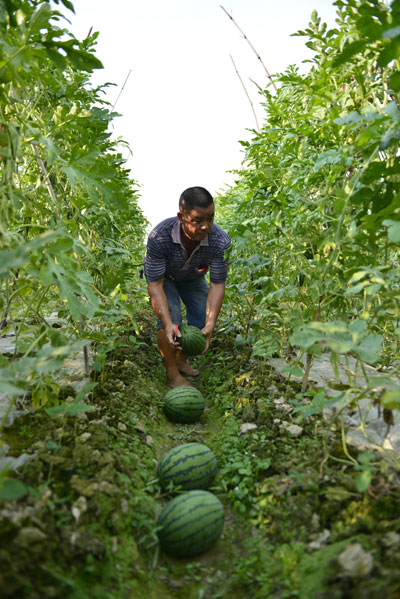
(245, 91)
(251, 46)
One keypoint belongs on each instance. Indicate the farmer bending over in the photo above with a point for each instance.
(180, 250)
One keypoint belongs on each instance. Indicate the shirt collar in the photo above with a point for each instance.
(176, 234)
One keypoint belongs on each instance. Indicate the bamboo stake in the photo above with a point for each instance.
(122, 89)
(47, 181)
(251, 46)
(245, 91)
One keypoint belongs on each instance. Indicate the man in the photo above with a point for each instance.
(180, 251)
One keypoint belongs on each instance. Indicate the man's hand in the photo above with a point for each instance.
(171, 332)
(207, 332)
(214, 303)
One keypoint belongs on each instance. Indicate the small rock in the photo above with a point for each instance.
(139, 427)
(122, 427)
(108, 488)
(79, 507)
(29, 535)
(320, 540)
(149, 440)
(391, 539)
(84, 437)
(279, 400)
(282, 405)
(249, 414)
(14, 463)
(315, 522)
(294, 430)
(96, 455)
(355, 561)
(114, 540)
(246, 427)
(38, 446)
(82, 417)
(291, 429)
(83, 487)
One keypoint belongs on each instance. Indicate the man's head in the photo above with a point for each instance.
(196, 212)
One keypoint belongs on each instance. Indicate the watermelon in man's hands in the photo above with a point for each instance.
(192, 340)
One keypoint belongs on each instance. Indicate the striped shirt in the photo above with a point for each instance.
(166, 255)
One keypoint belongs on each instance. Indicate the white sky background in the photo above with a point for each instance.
(183, 107)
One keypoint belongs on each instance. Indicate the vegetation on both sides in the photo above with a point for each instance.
(314, 220)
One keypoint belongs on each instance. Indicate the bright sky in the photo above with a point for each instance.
(183, 107)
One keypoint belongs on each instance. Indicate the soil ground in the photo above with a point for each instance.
(86, 529)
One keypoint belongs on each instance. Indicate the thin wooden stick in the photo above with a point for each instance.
(251, 46)
(47, 181)
(122, 89)
(245, 91)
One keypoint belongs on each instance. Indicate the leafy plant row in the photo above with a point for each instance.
(315, 211)
(71, 231)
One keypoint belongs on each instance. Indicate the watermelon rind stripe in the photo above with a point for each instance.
(190, 496)
(167, 466)
(189, 465)
(192, 340)
(184, 404)
(191, 523)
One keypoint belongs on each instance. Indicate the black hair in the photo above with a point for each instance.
(195, 197)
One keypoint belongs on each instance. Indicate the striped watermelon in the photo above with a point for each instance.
(191, 466)
(190, 523)
(192, 341)
(184, 404)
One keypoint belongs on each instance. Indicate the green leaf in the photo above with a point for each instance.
(68, 409)
(358, 329)
(10, 388)
(394, 82)
(11, 489)
(68, 5)
(391, 399)
(349, 51)
(17, 257)
(363, 480)
(39, 19)
(329, 157)
(352, 117)
(393, 229)
(392, 32)
(293, 369)
(369, 349)
(390, 52)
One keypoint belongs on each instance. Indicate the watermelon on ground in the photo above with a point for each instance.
(190, 465)
(184, 404)
(190, 523)
(192, 341)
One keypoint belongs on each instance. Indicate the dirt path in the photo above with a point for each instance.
(86, 529)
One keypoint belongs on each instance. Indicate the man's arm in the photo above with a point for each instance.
(214, 302)
(160, 307)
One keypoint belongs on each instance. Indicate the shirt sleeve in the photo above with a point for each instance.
(154, 262)
(220, 262)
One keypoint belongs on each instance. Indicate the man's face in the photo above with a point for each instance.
(197, 223)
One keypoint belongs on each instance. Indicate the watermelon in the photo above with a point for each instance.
(192, 341)
(190, 465)
(184, 404)
(190, 523)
